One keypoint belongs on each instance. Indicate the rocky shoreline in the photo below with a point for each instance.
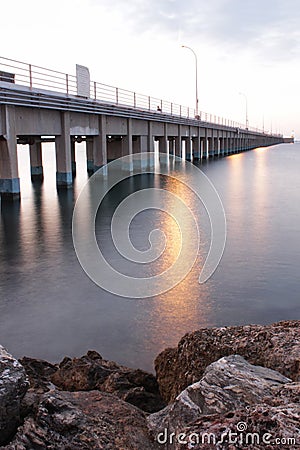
(224, 388)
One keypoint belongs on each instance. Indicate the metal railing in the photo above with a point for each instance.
(36, 77)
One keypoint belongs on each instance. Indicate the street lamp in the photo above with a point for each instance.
(196, 66)
(244, 95)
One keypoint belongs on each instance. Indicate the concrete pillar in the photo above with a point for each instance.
(188, 148)
(217, 149)
(114, 147)
(150, 138)
(178, 146)
(36, 163)
(210, 147)
(9, 174)
(216, 146)
(163, 140)
(140, 145)
(196, 152)
(206, 149)
(202, 141)
(100, 145)
(73, 157)
(63, 153)
(89, 145)
(127, 147)
(150, 145)
(229, 144)
(171, 146)
(226, 145)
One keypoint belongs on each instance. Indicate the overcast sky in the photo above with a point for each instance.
(249, 46)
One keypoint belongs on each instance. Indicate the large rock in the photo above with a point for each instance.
(275, 346)
(83, 420)
(91, 372)
(39, 373)
(230, 383)
(256, 427)
(13, 386)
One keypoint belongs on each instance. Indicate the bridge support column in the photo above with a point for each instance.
(226, 145)
(210, 147)
(230, 145)
(171, 146)
(140, 145)
(202, 142)
(9, 174)
(216, 146)
(114, 148)
(205, 148)
(127, 147)
(100, 145)
(188, 148)
(36, 163)
(196, 143)
(63, 153)
(178, 146)
(163, 141)
(150, 142)
(73, 157)
(89, 145)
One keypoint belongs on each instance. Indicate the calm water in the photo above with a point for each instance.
(49, 308)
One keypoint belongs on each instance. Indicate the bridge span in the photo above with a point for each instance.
(39, 105)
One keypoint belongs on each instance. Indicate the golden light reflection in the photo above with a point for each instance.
(188, 306)
(260, 193)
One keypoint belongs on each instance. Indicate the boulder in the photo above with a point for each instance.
(274, 346)
(13, 386)
(258, 427)
(39, 373)
(92, 372)
(83, 420)
(230, 383)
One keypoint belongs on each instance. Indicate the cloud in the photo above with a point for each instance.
(264, 26)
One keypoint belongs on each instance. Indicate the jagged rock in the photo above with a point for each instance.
(13, 386)
(83, 420)
(227, 384)
(39, 373)
(275, 346)
(92, 372)
(259, 427)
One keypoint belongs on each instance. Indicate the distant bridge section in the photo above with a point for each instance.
(38, 105)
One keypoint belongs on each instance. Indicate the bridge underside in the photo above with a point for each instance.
(108, 136)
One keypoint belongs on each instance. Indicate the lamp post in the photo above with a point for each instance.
(244, 95)
(196, 67)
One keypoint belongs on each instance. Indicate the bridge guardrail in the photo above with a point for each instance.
(36, 77)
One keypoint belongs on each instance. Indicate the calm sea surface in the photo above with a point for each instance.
(49, 308)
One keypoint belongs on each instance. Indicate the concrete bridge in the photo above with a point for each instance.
(38, 105)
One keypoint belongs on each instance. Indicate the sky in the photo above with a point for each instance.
(248, 46)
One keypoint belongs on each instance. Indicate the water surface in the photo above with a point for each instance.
(49, 308)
